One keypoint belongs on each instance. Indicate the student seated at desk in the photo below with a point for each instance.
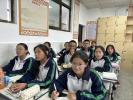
(42, 72)
(93, 45)
(112, 54)
(80, 82)
(87, 49)
(51, 51)
(115, 61)
(21, 63)
(100, 62)
(66, 45)
(65, 58)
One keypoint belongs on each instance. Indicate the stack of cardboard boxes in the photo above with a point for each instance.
(118, 31)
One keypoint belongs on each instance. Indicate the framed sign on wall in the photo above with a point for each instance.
(33, 17)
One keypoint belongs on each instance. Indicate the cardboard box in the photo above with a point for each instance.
(119, 37)
(110, 37)
(121, 20)
(110, 29)
(120, 29)
(111, 21)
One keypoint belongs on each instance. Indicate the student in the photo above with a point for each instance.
(43, 71)
(66, 45)
(21, 63)
(80, 82)
(93, 45)
(100, 62)
(65, 58)
(51, 51)
(86, 48)
(115, 61)
(112, 54)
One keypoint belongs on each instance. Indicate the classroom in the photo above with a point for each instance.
(66, 49)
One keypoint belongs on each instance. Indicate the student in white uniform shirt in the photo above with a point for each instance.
(42, 72)
(65, 58)
(21, 63)
(100, 62)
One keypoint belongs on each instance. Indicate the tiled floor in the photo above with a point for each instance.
(125, 91)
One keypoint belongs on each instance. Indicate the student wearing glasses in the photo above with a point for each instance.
(81, 82)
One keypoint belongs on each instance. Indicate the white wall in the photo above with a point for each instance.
(83, 14)
(97, 12)
(9, 37)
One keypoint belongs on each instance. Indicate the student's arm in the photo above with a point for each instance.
(98, 91)
(8, 68)
(60, 83)
(29, 75)
(26, 67)
(118, 58)
(49, 78)
(107, 66)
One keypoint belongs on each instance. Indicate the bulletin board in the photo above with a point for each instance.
(33, 17)
(76, 19)
(91, 28)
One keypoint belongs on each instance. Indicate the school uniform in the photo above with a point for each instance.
(102, 65)
(90, 52)
(89, 87)
(17, 66)
(93, 48)
(65, 58)
(114, 58)
(52, 53)
(62, 52)
(42, 75)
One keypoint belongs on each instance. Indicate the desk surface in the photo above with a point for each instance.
(45, 97)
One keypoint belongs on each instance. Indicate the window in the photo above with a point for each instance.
(59, 14)
(6, 10)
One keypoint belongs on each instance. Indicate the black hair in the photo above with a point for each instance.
(25, 47)
(73, 41)
(111, 47)
(93, 42)
(49, 44)
(81, 55)
(100, 47)
(86, 40)
(44, 48)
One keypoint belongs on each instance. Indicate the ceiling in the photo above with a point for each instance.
(105, 3)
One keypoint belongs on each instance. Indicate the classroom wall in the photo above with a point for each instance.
(95, 13)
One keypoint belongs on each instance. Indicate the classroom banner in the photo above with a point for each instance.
(33, 17)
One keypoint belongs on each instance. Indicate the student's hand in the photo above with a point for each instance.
(54, 95)
(17, 87)
(71, 96)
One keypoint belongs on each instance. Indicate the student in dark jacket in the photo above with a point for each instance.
(87, 49)
(43, 71)
(21, 63)
(66, 45)
(65, 58)
(100, 62)
(81, 82)
(93, 45)
(112, 54)
(51, 51)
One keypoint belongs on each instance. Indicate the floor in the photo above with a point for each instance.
(125, 91)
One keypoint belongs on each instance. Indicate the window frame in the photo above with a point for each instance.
(12, 13)
(60, 15)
